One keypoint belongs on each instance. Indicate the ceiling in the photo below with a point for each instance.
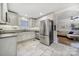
(34, 9)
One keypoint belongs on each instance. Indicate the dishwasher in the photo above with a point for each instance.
(8, 44)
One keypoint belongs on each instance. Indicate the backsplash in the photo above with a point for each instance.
(8, 27)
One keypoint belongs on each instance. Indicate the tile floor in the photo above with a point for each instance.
(35, 48)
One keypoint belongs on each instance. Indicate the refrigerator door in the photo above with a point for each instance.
(51, 32)
(42, 27)
(47, 27)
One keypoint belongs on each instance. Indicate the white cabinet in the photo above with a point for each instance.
(4, 10)
(0, 11)
(25, 36)
(37, 35)
(8, 46)
(13, 19)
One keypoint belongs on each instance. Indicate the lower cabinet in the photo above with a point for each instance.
(25, 36)
(37, 35)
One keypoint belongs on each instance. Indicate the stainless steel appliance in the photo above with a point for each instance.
(46, 32)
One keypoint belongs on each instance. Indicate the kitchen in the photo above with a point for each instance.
(33, 29)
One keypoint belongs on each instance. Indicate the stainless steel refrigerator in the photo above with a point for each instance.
(46, 32)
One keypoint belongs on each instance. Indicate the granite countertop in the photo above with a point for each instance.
(13, 31)
(17, 31)
(8, 35)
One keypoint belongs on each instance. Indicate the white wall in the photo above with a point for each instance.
(64, 17)
(64, 24)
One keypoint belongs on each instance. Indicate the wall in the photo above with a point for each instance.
(64, 24)
(64, 18)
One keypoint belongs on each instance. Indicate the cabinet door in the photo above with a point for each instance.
(12, 19)
(25, 36)
(37, 35)
(3, 10)
(0, 11)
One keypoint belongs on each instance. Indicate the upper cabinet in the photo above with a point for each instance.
(12, 18)
(0, 11)
(7, 17)
(3, 10)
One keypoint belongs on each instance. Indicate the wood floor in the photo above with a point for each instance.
(65, 40)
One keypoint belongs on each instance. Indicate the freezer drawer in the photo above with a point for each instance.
(44, 40)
